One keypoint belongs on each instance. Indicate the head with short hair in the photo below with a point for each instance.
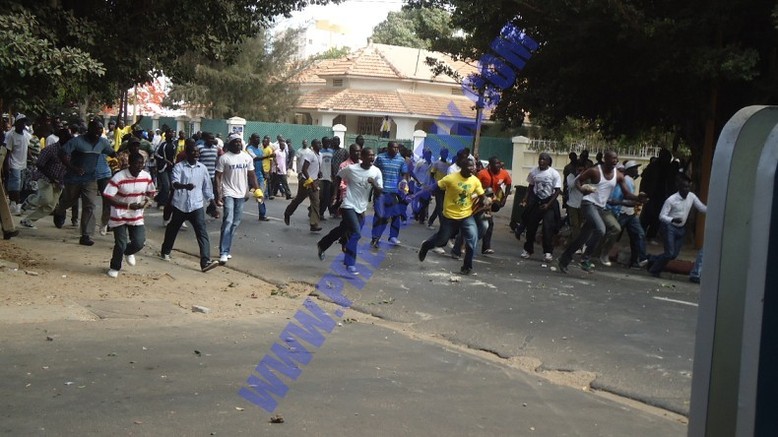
(136, 161)
(354, 151)
(360, 140)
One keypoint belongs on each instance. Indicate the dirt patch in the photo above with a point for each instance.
(57, 275)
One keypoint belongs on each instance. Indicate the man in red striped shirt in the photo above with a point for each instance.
(129, 191)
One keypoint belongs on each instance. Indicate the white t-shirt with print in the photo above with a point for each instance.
(357, 186)
(235, 168)
(545, 181)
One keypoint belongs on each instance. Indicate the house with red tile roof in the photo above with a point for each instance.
(360, 90)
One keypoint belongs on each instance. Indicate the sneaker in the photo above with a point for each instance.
(264, 219)
(165, 256)
(525, 254)
(113, 273)
(456, 256)
(103, 230)
(184, 225)
(562, 267)
(547, 257)
(320, 252)
(488, 252)
(587, 266)
(165, 222)
(439, 250)
(374, 243)
(27, 224)
(465, 271)
(315, 228)
(286, 219)
(352, 269)
(430, 226)
(131, 260)
(210, 266)
(16, 209)
(605, 261)
(223, 259)
(86, 241)
(229, 256)
(74, 223)
(394, 241)
(643, 263)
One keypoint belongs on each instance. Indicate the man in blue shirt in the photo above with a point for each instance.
(81, 155)
(387, 204)
(193, 190)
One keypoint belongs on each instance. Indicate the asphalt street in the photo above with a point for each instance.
(635, 332)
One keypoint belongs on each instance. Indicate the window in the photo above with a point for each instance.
(369, 125)
(337, 82)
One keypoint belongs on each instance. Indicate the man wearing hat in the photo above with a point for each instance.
(628, 218)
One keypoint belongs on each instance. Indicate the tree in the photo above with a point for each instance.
(137, 40)
(331, 53)
(255, 86)
(418, 28)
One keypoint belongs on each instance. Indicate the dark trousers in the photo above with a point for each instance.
(348, 233)
(438, 207)
(127, 240)
(197, 219)
(163, 183)
(448, 227)
(282, 185)
(532, 218)
(325, 197)
(386, 207)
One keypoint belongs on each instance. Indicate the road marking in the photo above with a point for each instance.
(667, 299)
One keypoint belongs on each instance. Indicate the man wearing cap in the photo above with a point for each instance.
(625, 213)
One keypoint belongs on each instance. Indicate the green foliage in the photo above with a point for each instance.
(255, 86)
(331, 53)
(629, 67)
(418, 28)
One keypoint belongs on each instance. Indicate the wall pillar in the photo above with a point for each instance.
(520, 147)
(340, 131)
(419, 137)
(237, 125)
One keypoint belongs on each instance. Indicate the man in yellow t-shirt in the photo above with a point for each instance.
(122, 130)
(463, 190)
(267, 160)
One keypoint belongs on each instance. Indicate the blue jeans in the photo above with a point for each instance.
(386, 208)
(448, 227)
(233, 210)
(637, 237)
(14, 180)
(197, 219)
(674, 236)
(697, 268)
(127, 240)
(163, 183)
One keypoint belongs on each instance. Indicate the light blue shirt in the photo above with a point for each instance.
(202, 193)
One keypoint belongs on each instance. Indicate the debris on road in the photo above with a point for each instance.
(200, 309)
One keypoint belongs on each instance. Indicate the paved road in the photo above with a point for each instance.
(635, 332)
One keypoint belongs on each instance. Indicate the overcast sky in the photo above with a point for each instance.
(360, 16)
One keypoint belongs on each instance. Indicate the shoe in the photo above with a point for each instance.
(103, 230)
(320, 252)
(439, 250)
(394, 241)
(547, 257)
(74, 223)
(288, 197)
(223, 259)
(643, 263)
(165, 256)
(352, 269)
(86, 241)
(229, 256)
(264, 219)
(456, 256)
(465, 271)
(131, 260)
(488, 252)
(27, 224)
(286, 219)
(7, 235)
(113, 273)
(165, 222)
(272, 197)
(186, 226)
(16, 209)
(562, 267)
(605, 261)
(374, 243)
(430, 226)
(694, 279)
(315, 228)
(422, 253)
(210, 266)
(587, 266)
(525, 254)
(59, 221)
(322, 218)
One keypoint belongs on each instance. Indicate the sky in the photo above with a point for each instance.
(360, 16)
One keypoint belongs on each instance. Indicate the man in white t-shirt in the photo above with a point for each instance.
(280, 170)
(17, 141)
(540, 202)
(325, 182)
(359, 178)
(234, 175)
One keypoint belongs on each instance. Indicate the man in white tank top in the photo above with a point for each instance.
(604, 179)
